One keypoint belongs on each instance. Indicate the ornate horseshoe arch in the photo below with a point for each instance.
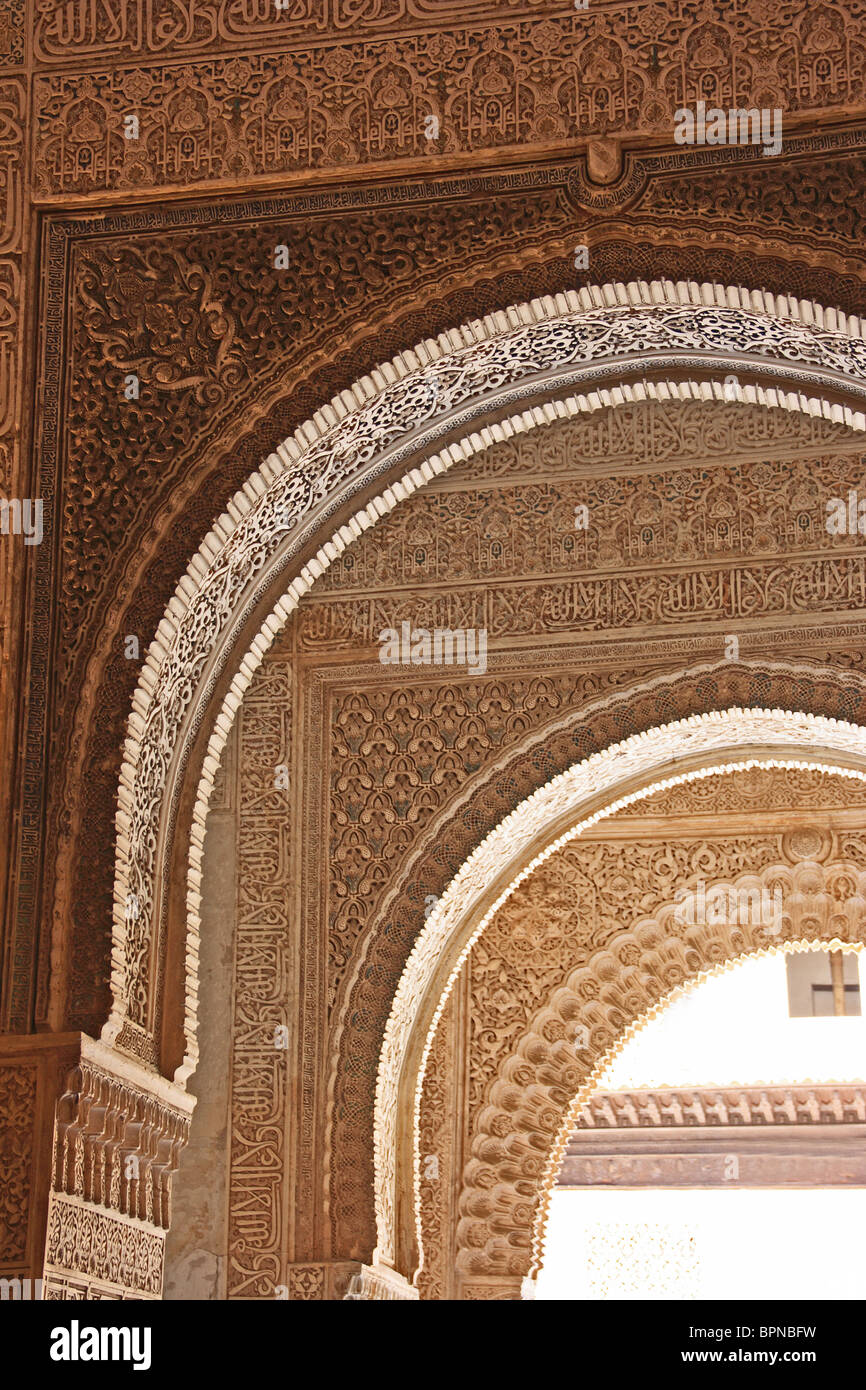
(519, 1122)
(807, 884)
(295, 515)
(727, 740)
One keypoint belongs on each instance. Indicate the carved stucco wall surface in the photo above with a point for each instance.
(200, 279)
(225, 98)
(572, 802)
(383, 761)
(118, 1136)
(231, 358)
(18, 1101)
(333, 85)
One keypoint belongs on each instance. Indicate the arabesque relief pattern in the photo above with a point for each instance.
(213, 333)
(575, 906)
(76, 34)
(542, 76)
(205, 321)
(17, 1105)
(759, 789)
(13, 109)
(372, 264)
(439, 1133)
(615, 980)
(231, 358)
(186, 134)
(91, 1254)
(573, 333)
(439, 855)
(14, 239)
(266, 991)
(734, 530)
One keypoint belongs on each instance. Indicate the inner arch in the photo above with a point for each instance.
(646, 1029)
(572, 802)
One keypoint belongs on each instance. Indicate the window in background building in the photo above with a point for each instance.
(823, 984)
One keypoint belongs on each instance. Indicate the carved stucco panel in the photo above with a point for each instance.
(332, 85)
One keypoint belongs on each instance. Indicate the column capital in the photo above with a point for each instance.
(119, 1129)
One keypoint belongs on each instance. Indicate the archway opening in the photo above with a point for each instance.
(719, 1155)
(692, 874)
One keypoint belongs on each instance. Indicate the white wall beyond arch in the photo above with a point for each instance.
(726, 740)
(802, 356)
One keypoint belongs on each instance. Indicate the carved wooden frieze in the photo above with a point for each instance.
(540, 75)
(709, 1106)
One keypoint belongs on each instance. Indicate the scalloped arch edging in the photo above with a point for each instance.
(603, 991)
(579, 337)
(584, 794)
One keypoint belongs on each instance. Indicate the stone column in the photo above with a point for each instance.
(373, 1282)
